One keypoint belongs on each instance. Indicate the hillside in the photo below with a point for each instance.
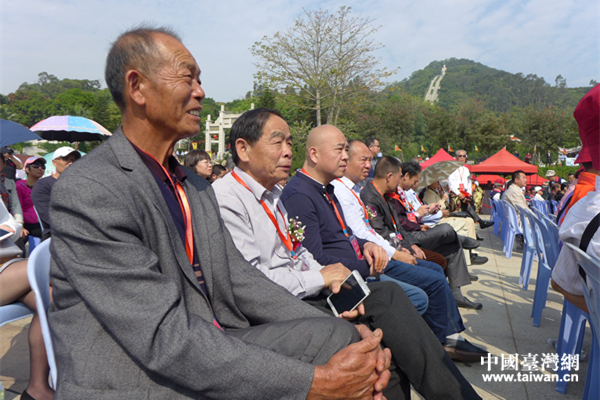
(500, 90)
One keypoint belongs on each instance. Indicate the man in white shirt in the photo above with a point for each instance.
(460, 185)
(403, 266)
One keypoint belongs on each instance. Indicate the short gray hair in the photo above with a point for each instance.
(135, 48)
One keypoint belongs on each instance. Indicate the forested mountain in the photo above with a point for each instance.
(499, 90)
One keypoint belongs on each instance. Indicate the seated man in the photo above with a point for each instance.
(441, 238)
(464, 227)
(151, 296)
(514, 194)
(442, 315)
(461, 191)
(310, 196)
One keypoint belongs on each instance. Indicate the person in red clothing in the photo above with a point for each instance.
(587, 115)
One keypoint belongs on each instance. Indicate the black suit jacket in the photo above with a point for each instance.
(382, 223)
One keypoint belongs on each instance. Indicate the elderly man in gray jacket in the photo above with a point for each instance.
(151, 298)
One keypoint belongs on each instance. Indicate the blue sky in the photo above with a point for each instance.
(70, 38)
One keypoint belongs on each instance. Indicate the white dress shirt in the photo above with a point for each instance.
(257, 239)
(355, 215)
(427, 219)
(461, 175)
(566, 271)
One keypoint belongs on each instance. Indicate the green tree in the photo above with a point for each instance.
(323, 57)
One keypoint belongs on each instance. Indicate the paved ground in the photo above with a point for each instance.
(503, 326)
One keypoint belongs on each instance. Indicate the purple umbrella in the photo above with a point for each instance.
(70, 129)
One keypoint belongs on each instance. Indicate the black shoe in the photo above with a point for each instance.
(479, 237)
(466, 303)
(474, 278)
(485, 224)
(476, 260)
(27, 396)
(462, 350)
(469, 244)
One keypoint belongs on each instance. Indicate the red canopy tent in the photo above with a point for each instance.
(535, 180)
(441, 155)
(503, 163)
(483, 179)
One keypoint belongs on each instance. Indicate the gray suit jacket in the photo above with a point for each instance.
(129, 319)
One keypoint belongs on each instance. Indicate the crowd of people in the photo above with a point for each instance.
(206, 281)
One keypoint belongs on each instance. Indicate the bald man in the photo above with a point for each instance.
(309, 197)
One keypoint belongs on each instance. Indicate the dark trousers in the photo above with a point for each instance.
(442, 314)
(468, 208)
(418, 357)
(443, 239)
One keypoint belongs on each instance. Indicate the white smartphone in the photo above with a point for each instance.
(354, 291)
(4, 234)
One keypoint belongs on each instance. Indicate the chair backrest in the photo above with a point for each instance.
(541, 205)
(13, 312)
(549, 245)
(39, 219)
(38, 273)
(591, 286)
(527, 226)
(511, 215)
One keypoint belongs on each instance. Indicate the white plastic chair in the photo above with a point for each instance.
(38, 273)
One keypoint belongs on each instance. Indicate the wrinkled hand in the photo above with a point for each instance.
(445, 198)
(334, 272)
(424, 227)
(445, 213)
(405, 256)
(24, 232)
(383, 361)
(418, 252)
(376, 256)
(359, 371)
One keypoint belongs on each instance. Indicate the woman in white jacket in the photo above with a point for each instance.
(14, 287)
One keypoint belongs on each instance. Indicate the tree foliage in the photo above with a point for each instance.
(323, 58)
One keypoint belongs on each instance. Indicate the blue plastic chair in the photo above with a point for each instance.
(553, 206)
(591, 291)
(495, 216)
(549, 254)
(540, 205)
(502, 216)
(38, 274)
(513, 228)
(529, 247)
(570, 338)
(13, 312)
(33, 242)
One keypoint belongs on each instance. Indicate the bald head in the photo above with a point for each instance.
(326, 153)
(321, 135)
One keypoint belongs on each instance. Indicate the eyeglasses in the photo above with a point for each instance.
(38, 166)
(461, 155)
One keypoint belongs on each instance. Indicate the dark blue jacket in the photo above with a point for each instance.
(303, 197)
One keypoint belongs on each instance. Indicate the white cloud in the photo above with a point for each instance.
(70, 38)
